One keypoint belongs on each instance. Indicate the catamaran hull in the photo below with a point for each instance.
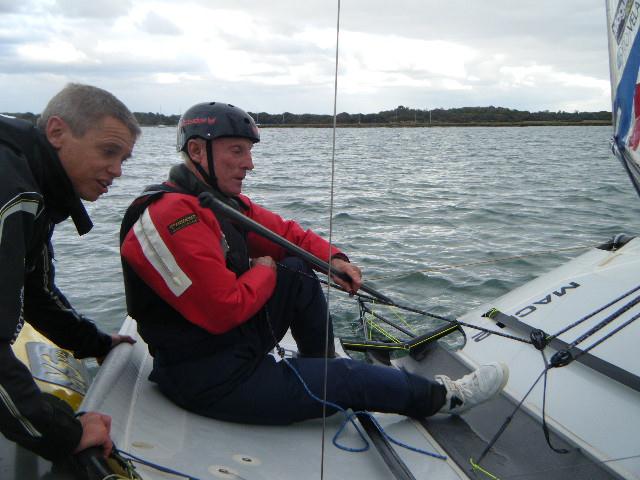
(593, 402)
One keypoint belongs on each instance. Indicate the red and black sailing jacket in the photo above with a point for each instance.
(188, 279)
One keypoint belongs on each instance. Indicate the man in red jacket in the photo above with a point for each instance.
(212, 300)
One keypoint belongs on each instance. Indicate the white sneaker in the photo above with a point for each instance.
(474, 388)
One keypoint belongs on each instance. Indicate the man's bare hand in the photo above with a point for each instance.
(95, 432)
(117, 339)
(354, 273)
(266, 261)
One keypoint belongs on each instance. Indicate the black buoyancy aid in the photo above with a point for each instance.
(19, 135)
(163, 328)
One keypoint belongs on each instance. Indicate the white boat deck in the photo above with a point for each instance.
(148, 425)
(586, 406)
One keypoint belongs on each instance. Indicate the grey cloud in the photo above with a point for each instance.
(15, 35)
(468, 20)
(107, 67)
(274, 45)
(10, 6)
(92, 8)
(568, 35)
(9, 41)
(159, 25)
(291, 15)
(16, 6)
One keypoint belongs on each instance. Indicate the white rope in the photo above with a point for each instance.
(439, 268)
(333, 162)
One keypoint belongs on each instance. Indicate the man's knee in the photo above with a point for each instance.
(296, 264)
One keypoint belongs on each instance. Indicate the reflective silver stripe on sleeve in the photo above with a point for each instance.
(159, 255)
(26, 424)
(19, 203)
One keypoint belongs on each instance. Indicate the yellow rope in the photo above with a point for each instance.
(476, 467)
(382, 331)
(402, 319)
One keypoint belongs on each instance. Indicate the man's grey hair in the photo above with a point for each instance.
(83, 106)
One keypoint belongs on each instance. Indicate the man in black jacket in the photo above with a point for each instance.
(74, 153)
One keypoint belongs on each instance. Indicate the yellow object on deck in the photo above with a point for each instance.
(55, 370)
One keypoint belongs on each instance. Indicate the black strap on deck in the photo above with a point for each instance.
(391, 458)
(612, 371)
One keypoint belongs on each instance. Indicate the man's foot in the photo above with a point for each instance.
(473, 389)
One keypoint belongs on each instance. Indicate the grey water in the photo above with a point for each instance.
(443, 219)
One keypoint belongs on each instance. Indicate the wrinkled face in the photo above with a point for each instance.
(231, 161)
(93, 160)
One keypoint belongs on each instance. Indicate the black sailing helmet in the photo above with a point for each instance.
(213, 120)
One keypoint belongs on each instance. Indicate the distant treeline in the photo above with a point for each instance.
(146, 119)
(439, 116)
(401, 116)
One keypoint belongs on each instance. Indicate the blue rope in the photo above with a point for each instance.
(154, 465)
(349, 418)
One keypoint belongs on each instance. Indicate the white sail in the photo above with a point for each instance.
(623, 20)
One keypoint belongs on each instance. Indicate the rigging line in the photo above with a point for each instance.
(333, 164)
(407, 308)
(155, 466)
(397, 327)
(361, 298)
(606, 322)
(455, 321)
(609, 335)
(503, 427)
(390, 303)
(483, 262)
(586, 317)
(475, 234)
(545, 426)
(476, 464)
(401, 319)
(381, 331)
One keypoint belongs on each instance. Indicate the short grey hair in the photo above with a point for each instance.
(82, 106)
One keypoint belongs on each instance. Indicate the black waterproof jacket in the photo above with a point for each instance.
(36, 194)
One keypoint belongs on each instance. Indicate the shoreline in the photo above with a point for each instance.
(585, 123)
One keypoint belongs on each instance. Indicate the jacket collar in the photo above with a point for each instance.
(60, 196)
(187, 180)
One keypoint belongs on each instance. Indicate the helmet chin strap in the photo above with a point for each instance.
(210, 177)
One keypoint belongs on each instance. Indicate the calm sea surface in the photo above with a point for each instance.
(407, 203)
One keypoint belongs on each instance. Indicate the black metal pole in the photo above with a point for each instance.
(209, 201)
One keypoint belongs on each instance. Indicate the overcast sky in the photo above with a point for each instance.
(279, 55)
